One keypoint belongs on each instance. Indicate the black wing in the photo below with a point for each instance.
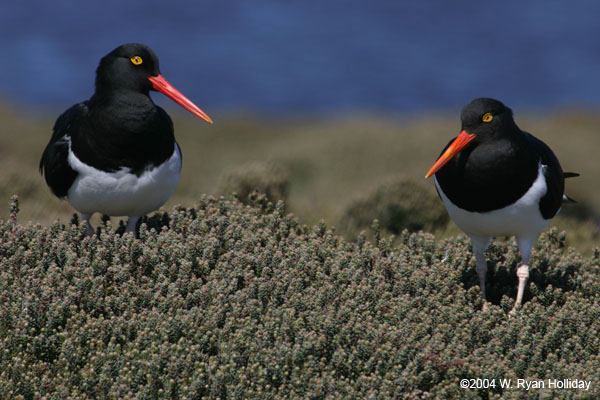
(54, 164)
(555, 179)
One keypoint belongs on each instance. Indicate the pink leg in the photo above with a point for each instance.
(525, 245)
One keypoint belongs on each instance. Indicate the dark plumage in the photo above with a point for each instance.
(497, 180)
(116, 152)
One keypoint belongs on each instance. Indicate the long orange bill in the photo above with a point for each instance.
(160, 84)
(461, 141)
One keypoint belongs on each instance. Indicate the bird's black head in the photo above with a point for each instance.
(487, 118)
(127, 67)
(133, 68)
(483, 120)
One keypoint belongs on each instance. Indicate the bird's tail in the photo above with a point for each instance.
(565, 176)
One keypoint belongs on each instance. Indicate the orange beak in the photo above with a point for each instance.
(160, 84)
(461, 141)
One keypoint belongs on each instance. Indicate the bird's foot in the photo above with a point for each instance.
(132, 225)
(89, 229)
(523, 275)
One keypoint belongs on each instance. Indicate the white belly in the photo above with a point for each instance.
(122, 193)
(522, 219)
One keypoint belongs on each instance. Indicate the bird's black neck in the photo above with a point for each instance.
(490, 174)
(124, 129)
(122, 111)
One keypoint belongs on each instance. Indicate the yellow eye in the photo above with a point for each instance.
(487, 117)
(136, 60)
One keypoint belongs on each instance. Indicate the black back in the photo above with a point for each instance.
(119, 126)
(500, 165)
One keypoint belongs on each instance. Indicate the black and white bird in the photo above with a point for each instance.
(116, 153)
(497, 180)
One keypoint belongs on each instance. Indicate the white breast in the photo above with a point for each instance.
(122, 193)
(522, 219)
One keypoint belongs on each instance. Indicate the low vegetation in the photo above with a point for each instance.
(266, 178)
(397, 204)
(226, 300)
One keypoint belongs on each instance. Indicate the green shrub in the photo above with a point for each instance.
(232, 301)
(401, 203)
(256, 177)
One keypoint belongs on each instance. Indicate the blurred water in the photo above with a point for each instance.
(315, 57)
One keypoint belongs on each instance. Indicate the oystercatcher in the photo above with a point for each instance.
(497, 180)
(116, 153)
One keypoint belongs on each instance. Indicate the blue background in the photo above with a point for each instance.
(313, 57)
